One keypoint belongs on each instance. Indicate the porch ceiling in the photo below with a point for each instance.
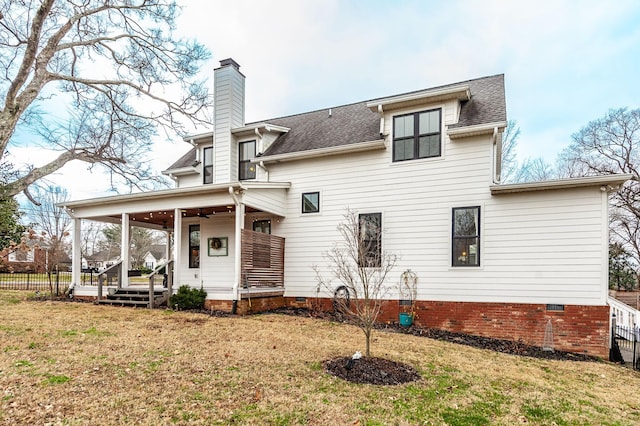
(164, 218)
(156, 209)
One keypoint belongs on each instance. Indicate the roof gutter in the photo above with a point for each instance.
(476, 130)
(607, 183)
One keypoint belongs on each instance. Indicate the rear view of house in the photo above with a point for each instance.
(256, 205)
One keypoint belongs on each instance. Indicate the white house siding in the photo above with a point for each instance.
(216, 273)
(546, 246)
(190, 180)
(414, 197)
(268, 201)
(561, 230)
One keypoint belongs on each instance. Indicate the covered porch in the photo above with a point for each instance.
(219, 239)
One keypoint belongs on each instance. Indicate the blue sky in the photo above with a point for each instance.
(565, 62)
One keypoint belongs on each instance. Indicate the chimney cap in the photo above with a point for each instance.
(229, 61)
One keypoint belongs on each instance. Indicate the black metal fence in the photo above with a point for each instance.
(57, 283)
(626, 344)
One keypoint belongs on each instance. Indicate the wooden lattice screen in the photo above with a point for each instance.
(262, 260)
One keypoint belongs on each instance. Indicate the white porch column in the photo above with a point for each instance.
(76, 252)
(238, 249)
(125, 251)
(177, 247)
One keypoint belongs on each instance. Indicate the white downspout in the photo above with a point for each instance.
(266, 171)
(494, 158)
(259, 136)
(381, 112)
(238, 247)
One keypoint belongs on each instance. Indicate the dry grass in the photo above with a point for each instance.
(75, 363)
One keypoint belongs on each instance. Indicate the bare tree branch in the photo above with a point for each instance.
(361, 266)
(102, 59)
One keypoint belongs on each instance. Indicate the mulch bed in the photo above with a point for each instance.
(371, 370)
(379, 371)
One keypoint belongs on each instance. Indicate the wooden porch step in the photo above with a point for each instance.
(119, 302)
(135, 297)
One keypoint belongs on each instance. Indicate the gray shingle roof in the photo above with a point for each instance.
(355, 123)
(185, 161)
(487, 103)
(157, 251)
(347, 124)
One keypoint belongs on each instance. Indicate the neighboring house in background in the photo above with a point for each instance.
(156, 256)
(101, 260)
(500, 260)
(32, 256)
(29, 258)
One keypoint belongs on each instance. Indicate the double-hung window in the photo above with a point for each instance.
(465, 246)
(207, 167)
(417, 135)
(370, 241)
(246, 155)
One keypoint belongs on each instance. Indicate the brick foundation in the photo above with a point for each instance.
(579, 329)
(247, 306)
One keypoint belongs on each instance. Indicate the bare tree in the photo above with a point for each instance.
(91, 237)
(509, 156)
(114, 64)
(360, 265)
(534, 170)
(53, 224)
(611, 145)
(141, 240)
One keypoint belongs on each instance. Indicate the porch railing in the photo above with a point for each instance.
(166, 280)
(262, 263)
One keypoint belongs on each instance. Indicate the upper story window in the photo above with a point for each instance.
(417, 135)
(465, 246)
(207, 167)
(311, 202)
(246, 155)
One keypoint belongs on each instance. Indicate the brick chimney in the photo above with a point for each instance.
(228, 113)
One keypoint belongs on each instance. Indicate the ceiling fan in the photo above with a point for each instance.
(202, 214)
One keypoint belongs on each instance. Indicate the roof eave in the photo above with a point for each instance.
(267, 127)
(475, 130)
(605, 182)
(192, 138)
(460, 92)
(182, 171)
(323, 152)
